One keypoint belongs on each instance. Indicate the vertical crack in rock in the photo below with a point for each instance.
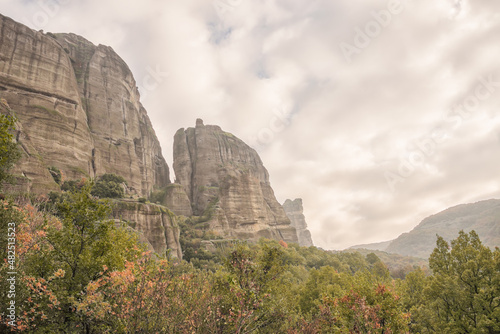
(124, 118)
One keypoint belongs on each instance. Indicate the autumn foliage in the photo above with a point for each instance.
(77, 272)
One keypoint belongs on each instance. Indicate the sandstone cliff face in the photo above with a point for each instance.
(37, 81)
(173, 197)
(177, 200)
(157, 225)
(124, 140)
(295, 211)
(226, 181)
(78, 109)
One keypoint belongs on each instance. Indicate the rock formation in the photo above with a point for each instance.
(78, 109)
(295, 211)
(226, 182)
(124, 140)
(177, 200)
(173, 197)
(156, 224)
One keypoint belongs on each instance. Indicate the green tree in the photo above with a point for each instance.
(9, 152)
(109, 186)
(85, 248)
(464, 292)
(249, 292)
(412, 290)
(56, 174)
(364, 309)
(325, 280)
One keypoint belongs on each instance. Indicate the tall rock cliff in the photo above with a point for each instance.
(78, 109)
(295, 211)
(226, 181)
(38, 82)
(124, 140)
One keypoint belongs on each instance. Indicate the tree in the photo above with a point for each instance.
(248, 290)
(109, 186)
(464, 292)
(376, 310)
(9, 152)
(84, 247)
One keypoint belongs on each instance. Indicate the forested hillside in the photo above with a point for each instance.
(482, 217)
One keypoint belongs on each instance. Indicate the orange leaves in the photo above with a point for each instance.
(374, 310)
(59, 273)
(31, 232)
(147, 289)
(381, 289)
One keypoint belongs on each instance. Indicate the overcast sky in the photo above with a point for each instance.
(376, 113)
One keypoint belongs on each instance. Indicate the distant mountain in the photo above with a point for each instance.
(378, 246)
(397, 264)
(483, 217)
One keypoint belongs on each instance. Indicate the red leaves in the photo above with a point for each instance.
(283, 243)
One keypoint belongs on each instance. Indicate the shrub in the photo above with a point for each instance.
(72, 185)
(8, 146)
(56, 174)
(112, 178)
(109, 186)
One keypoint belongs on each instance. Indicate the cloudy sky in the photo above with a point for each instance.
(376, 113)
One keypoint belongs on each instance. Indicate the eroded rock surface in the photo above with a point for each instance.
(295, 211)
(177, 200)
(78, 109)
(226, 181)
(158, 225)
